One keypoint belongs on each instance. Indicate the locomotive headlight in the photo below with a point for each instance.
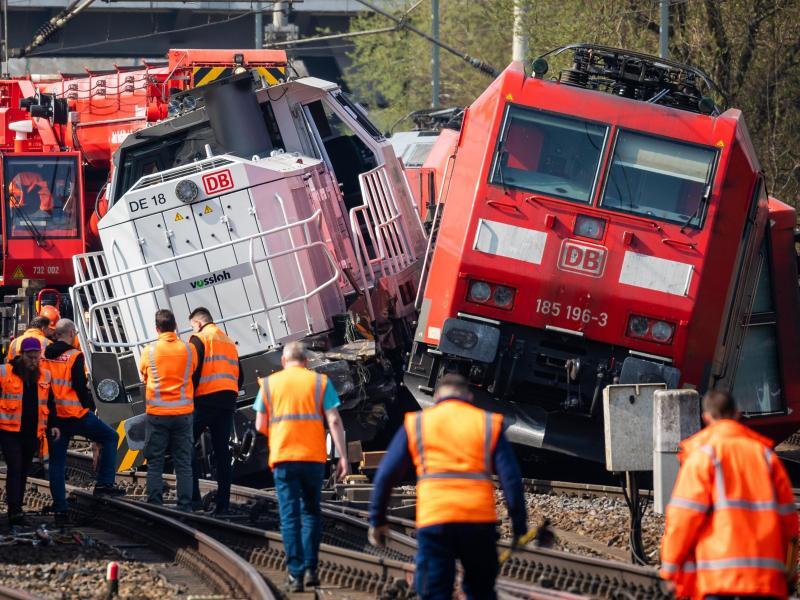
(107, 390)
(480, 291)
(503, 296)
(638, 326)
(186, 190)
(589, 227)
(662, 331)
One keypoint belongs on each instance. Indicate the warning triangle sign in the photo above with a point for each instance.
(207, 210)
(179, 217)
(18, 273)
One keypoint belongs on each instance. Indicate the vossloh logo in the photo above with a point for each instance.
(197, 283)
(214, 279)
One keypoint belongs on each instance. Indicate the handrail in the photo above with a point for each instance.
(87, 285)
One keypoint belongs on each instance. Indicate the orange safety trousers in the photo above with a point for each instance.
(731, 521)
(452, 445)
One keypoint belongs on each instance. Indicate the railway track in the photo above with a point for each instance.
(222, 572)
(389, 571)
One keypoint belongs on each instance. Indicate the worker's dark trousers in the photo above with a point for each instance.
(219, 421)
(18, 450)
(438, 548)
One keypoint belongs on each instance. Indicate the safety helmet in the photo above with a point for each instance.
(51, 312)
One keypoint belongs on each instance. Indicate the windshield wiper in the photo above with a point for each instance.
(703, 200)
(35, 233)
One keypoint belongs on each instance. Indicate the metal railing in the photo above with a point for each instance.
(98, 307)
(385, 227)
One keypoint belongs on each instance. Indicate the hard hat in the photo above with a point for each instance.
(51, 312)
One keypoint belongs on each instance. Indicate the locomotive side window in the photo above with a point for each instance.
(550, 154)
(757, 383)
(659, 178)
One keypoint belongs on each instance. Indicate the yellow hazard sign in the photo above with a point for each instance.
(720, 144)
(207, 210)
(18, 273)
(179, 217)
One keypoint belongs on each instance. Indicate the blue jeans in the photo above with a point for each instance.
(299, 488)
(438, 547)
(89, 426)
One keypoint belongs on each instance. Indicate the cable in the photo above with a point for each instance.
(143, 36)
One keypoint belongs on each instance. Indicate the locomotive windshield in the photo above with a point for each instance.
(551, 154)
(659, 178)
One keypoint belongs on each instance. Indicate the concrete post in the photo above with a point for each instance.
(676, 416)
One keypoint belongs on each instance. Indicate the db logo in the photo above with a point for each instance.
(579, 257)
(217, 182)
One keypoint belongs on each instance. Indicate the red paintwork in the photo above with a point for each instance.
(106, 108)
(432, 173)
(712, 250)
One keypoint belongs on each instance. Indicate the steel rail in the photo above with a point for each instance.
(221, 568)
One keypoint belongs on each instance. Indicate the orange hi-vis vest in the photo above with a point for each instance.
(26, 183)
(14, 349)
(452, 445)
(731, 521)
(167, 366)
(11, 389)
(68, 405)
(294, 399)
(220, 370)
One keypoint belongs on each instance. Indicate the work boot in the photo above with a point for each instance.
(294, 584)
(311, 578)
(61, 519)
(108, 489)
(18, 520)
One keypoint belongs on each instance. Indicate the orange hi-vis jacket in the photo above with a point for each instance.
(25, 183)
(167, 366)
(452, 445)
(68, 405)
(731, 521)
(11, 389)
(220, 369)
(294, 401)
(13, 349)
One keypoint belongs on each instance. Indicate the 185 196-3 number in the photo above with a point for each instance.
(571, 313)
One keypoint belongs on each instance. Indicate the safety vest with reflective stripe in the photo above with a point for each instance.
(220, 369)
(14, 349)
(731, 519)
(68, 405)
(294, 399)
(167, 366)
(452, 445)
(11, 390)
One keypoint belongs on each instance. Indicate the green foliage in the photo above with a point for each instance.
(750, 47)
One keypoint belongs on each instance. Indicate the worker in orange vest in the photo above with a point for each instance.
(214, 400)
(166, 367)
(455, 448)
(27, 186)
(26, 400)
(731, 524)
(53, 315)
(74, 415)
(291, 409)
(37, 330)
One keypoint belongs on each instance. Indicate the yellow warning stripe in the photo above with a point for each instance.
(205, 75)
(364, 331)
(128, 460)
(129, 457)
(120, 433)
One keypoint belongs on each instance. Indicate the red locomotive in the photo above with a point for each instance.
(611, 226)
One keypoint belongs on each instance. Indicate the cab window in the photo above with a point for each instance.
(757, 383)
(42, 196)
(659, 178)
(551, 154)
